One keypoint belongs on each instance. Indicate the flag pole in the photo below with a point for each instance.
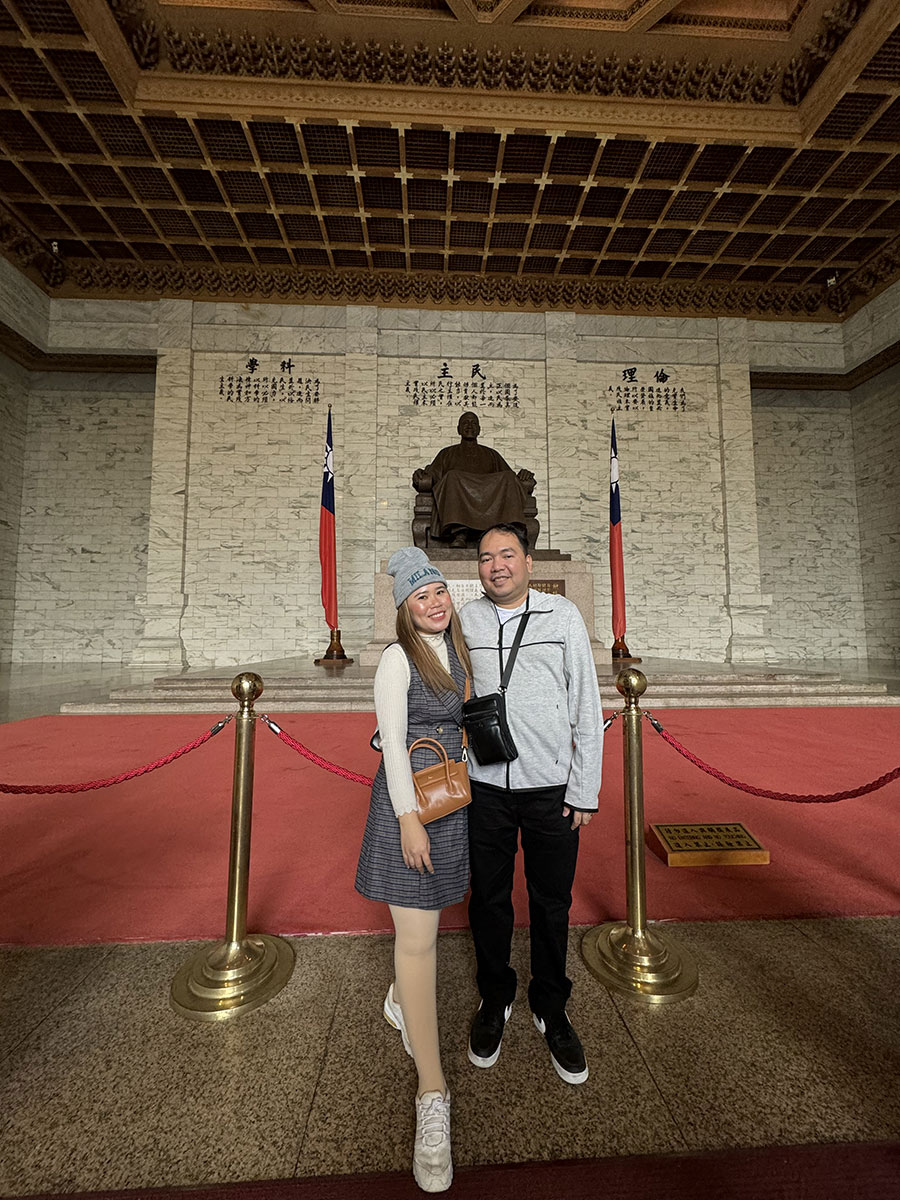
(334, 656)
(620, 651)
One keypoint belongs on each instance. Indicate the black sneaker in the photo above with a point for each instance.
(487, 1033)
(566, 1051)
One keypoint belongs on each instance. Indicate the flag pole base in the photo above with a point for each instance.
(334, 656)
(620, 652)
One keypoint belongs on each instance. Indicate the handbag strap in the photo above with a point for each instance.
(513, 651)
(466, 695)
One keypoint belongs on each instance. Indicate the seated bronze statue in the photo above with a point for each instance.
(467, 489)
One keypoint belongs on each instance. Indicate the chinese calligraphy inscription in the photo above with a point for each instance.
(647, 389)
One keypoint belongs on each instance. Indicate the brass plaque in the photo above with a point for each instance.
(556, 587)
(711, 845)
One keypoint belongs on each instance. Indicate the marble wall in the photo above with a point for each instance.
(873, 328)
(544, 387)
(809, 530)
(23, 306)
(670, 480)
(83, 517)
(797, 346)
(255, 479)
(14, 385)
(876, 440)
(207, 492)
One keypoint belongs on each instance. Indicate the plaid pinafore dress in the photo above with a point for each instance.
(382, 873)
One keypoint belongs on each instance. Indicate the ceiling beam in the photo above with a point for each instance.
(865, 39)
(649, 14)
(508, 11)
(108, 43)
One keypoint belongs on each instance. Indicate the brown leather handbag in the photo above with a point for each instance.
(443, 788)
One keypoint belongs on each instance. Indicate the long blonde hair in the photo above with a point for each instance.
(424, 659)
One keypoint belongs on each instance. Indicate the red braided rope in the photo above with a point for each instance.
(767, 795)
(316, 758)
(23, 789)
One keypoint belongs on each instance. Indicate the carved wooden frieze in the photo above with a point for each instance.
(25, 250)
(349, 287)
(445, 65)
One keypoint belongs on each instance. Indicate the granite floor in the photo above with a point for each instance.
(792, 1037)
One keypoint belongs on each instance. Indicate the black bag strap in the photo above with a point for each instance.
(513, 650)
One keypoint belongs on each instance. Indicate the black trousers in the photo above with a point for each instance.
(549, 851)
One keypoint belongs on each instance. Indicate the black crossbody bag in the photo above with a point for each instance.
(484, 717)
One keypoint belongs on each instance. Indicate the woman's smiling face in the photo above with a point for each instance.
(430, 608)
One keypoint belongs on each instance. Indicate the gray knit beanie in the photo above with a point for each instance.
(411, 569)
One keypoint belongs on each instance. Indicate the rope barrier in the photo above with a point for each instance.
(23, 789)
(833, 798)
(366, 780)
(326, 765)
(315, 758)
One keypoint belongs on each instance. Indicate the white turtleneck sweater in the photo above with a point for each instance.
(391, 709)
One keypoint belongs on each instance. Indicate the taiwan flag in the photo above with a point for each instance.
(616, 566)
(327, 551)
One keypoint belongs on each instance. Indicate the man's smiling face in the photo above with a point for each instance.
(504, 568)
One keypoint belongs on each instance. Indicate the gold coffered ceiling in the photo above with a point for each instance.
(707, 156)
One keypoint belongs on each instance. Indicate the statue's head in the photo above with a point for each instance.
(469, 426)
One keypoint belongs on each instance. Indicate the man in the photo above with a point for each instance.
(548, 793)
(473, 486)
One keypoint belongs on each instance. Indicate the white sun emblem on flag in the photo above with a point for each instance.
(328, 465)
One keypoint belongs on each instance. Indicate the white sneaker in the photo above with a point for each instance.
(432, 1164)
(393, 1014)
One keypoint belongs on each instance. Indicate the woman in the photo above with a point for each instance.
(417, 871)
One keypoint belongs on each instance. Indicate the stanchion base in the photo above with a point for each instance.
(334, 656)
(650, 967)
(231, 978)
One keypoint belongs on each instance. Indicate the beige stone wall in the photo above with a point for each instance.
(83, 520)
(14, 385)
(809, 524)
(670, 480)
(876, 442)
(211, 505)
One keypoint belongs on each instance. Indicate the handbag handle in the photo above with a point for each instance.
(433, 744)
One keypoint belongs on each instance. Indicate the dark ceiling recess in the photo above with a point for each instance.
(118, 178)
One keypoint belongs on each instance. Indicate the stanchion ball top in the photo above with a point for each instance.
(246, 687)
(631, 682)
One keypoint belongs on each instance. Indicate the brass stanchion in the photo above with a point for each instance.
(240, 973)
(626, 956)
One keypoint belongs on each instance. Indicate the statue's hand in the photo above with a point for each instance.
(422, 480)
(526, 478)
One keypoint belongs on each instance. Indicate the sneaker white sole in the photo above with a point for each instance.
(394, 1018)
(489, 1062)
(430, 1180)
(573, 1077)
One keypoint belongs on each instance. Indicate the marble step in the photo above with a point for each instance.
(213, 695)
(340, 681)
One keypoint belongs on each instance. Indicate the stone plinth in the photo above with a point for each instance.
(575, 578)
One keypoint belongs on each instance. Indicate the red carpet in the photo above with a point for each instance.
(147, 859)
(831, 1172)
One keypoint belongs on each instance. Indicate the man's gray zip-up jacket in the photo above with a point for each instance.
(552, 702)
